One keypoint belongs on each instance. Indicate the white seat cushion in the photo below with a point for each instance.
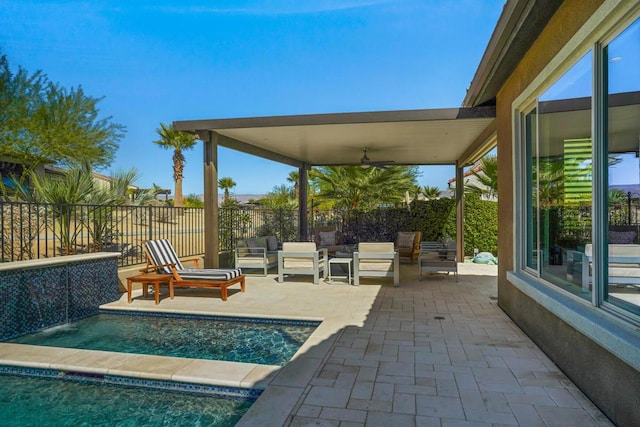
(373, 265)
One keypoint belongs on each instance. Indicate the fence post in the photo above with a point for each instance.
(150, 225)
(629, 208)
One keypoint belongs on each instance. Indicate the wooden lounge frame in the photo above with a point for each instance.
(178, 281)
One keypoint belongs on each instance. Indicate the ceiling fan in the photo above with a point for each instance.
(365, 162)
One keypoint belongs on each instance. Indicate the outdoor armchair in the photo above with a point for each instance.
(259, 253)
(438, 257)
(327, 237)
(162, 258)
(376, 260)
(302, 258)
(408, 245)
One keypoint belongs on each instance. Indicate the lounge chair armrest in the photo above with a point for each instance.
(257, 251)
(155, 267)
(196, 261)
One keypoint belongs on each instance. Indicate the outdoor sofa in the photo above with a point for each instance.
(259, 253)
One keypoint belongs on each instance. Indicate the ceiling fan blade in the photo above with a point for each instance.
(382, 163)
(365, 162)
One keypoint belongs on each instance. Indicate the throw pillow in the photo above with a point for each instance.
(253, 246)
(405, 240)
(272, 243)
(327, 238)
(625, 237)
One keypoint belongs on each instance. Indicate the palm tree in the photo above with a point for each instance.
(171, 138)
(431, 193)
(226, 184)
(351, 187)
(415, 191)
(487, 177)
(77, 186)
(294, 178)
(281, 197)
(62, 193)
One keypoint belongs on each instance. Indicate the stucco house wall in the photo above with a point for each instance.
(612, 384)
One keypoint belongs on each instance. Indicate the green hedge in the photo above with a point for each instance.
(480, 225)
(435, 218)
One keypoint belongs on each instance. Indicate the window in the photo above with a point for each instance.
(562, 165)
(622, 105)
(558, 143)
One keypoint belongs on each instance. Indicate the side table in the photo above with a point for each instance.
(147, 279)
(341, 262)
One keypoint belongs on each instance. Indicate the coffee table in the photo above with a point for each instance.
(341, 261)
(147, 279)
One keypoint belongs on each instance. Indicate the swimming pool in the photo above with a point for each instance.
(260, 341)
(30, 397)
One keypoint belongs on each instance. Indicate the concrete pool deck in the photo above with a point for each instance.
(431, 352)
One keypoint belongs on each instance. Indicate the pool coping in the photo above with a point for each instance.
(226, 392)
(161, 368)
(165, 368)
(60, 260)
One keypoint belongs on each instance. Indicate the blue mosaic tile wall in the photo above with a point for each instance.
(39, 298)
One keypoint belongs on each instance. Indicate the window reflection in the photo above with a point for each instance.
(559, 177)
(622, 58)
(562, 175)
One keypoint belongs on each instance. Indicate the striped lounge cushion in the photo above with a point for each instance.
(162, 252)
(222, 275)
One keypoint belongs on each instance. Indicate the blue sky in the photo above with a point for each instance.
(160, 61)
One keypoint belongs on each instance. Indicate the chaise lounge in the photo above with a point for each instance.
(162, 258)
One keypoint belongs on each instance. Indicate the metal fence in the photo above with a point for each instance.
(32, 231)
(39, 230)
(35, 230)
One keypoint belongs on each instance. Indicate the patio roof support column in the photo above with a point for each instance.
(303, 226)
(211, 259)
(459, 212)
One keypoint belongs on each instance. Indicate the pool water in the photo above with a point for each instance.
(29, 401)
(197, 337)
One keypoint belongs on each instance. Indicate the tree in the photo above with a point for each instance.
(77, 186)
(193, 201)
(431, 193)
(226, 183)
(487, 177)
(352, 187)
(294, 178)
(281, 197)
(42, 122)
(171, 138)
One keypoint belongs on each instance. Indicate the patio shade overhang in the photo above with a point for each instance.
(405, 137)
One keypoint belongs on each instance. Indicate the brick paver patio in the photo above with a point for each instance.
(430, 353)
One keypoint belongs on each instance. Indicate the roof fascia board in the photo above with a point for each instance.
(496, 48)
(247, 148)
(336, 118)
(518, 27)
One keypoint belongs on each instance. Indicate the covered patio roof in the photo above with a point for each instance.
(456, 136)
(406, 137)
